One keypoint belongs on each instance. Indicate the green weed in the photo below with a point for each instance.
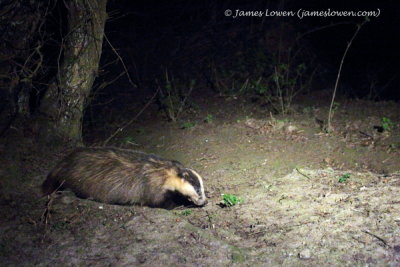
(230, 200)
(187, 125)
(387, 124)
(209, 118)
(186, 212)
(344, 178)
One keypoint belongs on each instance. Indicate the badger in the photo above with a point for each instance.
(122, 176)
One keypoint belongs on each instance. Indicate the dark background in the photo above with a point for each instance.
(181, 34)
(186, 43)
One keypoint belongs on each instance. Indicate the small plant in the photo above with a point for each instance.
(344, 178)
(230, 82)
(187, 125)
(173, 96)
(335, 106)
(283, 121)
(387, 124)
(229, 200)
(186, 212)
(209, 118)
(258, 87)
(285, 81)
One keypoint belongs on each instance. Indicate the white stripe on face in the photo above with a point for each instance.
(203, 196)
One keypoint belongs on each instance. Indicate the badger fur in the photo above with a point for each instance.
(122, 176)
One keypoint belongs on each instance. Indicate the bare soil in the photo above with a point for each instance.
(295, 212)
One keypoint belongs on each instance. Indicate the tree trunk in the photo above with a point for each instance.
(64, 101)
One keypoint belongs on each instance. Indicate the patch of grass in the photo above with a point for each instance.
(209, 118)
(186, 212)
(238, 255)
(387, 124)
(344, 178)
(187, 125)
(282, 121)
(230, 200)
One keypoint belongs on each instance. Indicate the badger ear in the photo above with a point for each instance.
(176, 164)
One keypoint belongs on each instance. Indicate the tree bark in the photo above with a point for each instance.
(64, 101)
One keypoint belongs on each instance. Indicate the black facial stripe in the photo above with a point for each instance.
(189, 176)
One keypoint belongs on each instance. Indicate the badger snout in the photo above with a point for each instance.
(201, 202)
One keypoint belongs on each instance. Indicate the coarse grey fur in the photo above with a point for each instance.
(123, 176)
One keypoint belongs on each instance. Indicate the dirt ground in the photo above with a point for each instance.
(295, 211)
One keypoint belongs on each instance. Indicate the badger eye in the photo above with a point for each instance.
(184, 175)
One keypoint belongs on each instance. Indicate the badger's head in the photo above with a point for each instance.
(188, 183)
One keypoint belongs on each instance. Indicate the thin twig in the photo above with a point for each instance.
(279, 90)
(105, 84)
(329, 127)
(211, 224)
(366, 134)
(50, 199)
(120, 129)
(184, 100)
(122, 61)
(308, 177)
(377, 237)
(46, 212)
